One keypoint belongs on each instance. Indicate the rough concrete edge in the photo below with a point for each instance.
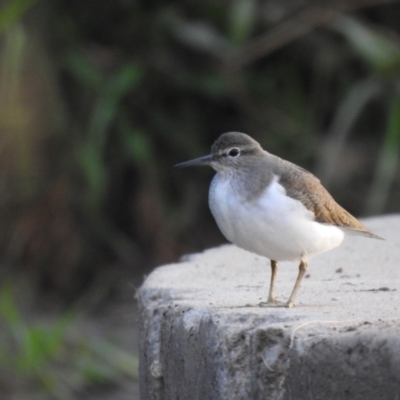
(175, 332)
(151, 307)
(195, 346)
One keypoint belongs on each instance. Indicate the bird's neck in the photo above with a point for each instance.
(249, 181)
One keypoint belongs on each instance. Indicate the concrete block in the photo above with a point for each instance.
(204, 336)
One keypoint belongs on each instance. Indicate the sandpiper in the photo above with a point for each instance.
(272, 207)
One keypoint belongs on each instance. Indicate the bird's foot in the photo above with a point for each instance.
(276, 303)
(271, 303)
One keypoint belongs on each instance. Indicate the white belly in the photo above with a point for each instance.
(275, 225)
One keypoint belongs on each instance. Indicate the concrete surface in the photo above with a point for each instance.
(203, 335)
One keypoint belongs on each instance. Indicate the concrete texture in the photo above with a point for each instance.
(203, 335)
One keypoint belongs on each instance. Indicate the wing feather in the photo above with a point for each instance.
(302, 185)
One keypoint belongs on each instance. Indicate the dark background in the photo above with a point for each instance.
(99, 99)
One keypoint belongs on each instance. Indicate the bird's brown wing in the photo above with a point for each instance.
(305, 187)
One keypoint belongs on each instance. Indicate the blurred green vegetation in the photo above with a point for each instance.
(54, 358)
(99, 99)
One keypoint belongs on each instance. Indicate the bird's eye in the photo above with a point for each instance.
(234, 152)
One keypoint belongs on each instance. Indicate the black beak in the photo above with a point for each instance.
(205, 160)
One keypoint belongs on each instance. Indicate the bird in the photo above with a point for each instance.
(272, 207)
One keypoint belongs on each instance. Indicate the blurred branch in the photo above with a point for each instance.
(381, 50)
(293, 28)
(349, 110)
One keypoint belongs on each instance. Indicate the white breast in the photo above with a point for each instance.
(275, 225)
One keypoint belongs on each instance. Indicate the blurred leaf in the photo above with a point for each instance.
(388, 161)
(198, 35)
(114, 89)
(13, 12)
(83, 71)
(10, 312)
(34, 351)
(57, 334)
(137, 145)
(381, 51)
(89, 367)
(50, 361)
(42, 344)
(93, 372)
(242, 20)
(91, 154)
(123, 81)
(95, 173)
(120, 360)
(8, 308)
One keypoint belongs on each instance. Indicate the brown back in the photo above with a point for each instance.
(302, 185)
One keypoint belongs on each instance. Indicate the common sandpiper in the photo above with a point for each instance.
(272, 207)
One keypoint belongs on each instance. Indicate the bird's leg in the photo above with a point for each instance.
(300, 276)
(272, 302)
(274, 270)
